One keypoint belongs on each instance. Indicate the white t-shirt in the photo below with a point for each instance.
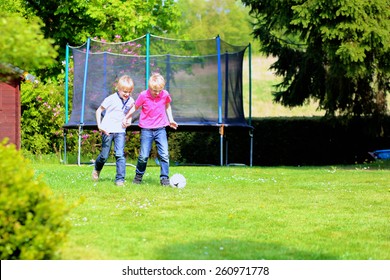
(115, 111)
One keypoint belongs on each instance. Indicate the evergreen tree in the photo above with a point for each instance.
(335, 52)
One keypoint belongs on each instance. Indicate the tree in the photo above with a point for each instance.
(73, 21)
(23, 45)
(335, 52)
(206, 19)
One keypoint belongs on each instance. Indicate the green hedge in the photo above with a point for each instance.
(286, 141)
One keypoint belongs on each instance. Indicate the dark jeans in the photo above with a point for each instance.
(119, 147)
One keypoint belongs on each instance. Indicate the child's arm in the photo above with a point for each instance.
(127, 119)
(99, 119)
(172, 122)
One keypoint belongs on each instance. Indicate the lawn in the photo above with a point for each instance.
(227, 213)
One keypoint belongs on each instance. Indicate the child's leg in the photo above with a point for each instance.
(119, 148)
(146, 146)
(162, 149)
(105, 152)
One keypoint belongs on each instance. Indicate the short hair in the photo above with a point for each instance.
(156, 82)
(125, 83)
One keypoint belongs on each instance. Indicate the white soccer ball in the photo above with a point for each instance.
(178, 181)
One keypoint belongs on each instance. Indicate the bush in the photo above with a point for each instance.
(32, 221)
(42, 117)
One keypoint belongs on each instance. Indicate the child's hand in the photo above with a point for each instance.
(103, 131)
(173, 124)
(126, 122)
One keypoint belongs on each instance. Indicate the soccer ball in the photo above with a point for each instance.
(178, 181)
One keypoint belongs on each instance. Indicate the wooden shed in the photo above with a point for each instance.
(10, 111)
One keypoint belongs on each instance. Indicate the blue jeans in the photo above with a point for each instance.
(159, 135)
(119, 149)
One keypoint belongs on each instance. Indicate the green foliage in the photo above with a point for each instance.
(335, 52)
(15, 6)
(132, 19)
(23, 45)
(227, 18)
(199, 147)
(43, 117)
(72, 22)
(132, 144)
(32, 220)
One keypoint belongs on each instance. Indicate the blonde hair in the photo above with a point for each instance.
(156, 82)
(125, 83)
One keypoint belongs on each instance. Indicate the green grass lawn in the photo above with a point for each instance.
(233, 213)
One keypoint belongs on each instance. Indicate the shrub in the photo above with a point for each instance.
(32, 220)
(42, 117)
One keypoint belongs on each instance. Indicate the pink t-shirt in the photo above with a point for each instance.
(153, 114)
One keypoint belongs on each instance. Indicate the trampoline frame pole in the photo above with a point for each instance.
(250, 105)
(218, 41)
(66, 96)
(225, 117)
(84, 82)
(83, 100)
(66, 82)
(79, 146)
(250, 82)
(147, 59)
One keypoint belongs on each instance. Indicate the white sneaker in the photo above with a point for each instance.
(95, 175)
(120, 183)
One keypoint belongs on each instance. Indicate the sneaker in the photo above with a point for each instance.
(120, 183)
(137, 179)
(165, 182)
(95, 175)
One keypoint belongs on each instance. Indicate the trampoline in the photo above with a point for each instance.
(204, 78)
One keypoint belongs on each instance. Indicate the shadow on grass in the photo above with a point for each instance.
(228, 249)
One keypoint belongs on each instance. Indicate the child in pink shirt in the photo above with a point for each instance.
(156, 114)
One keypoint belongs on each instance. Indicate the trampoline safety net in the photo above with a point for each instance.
(204, 78)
